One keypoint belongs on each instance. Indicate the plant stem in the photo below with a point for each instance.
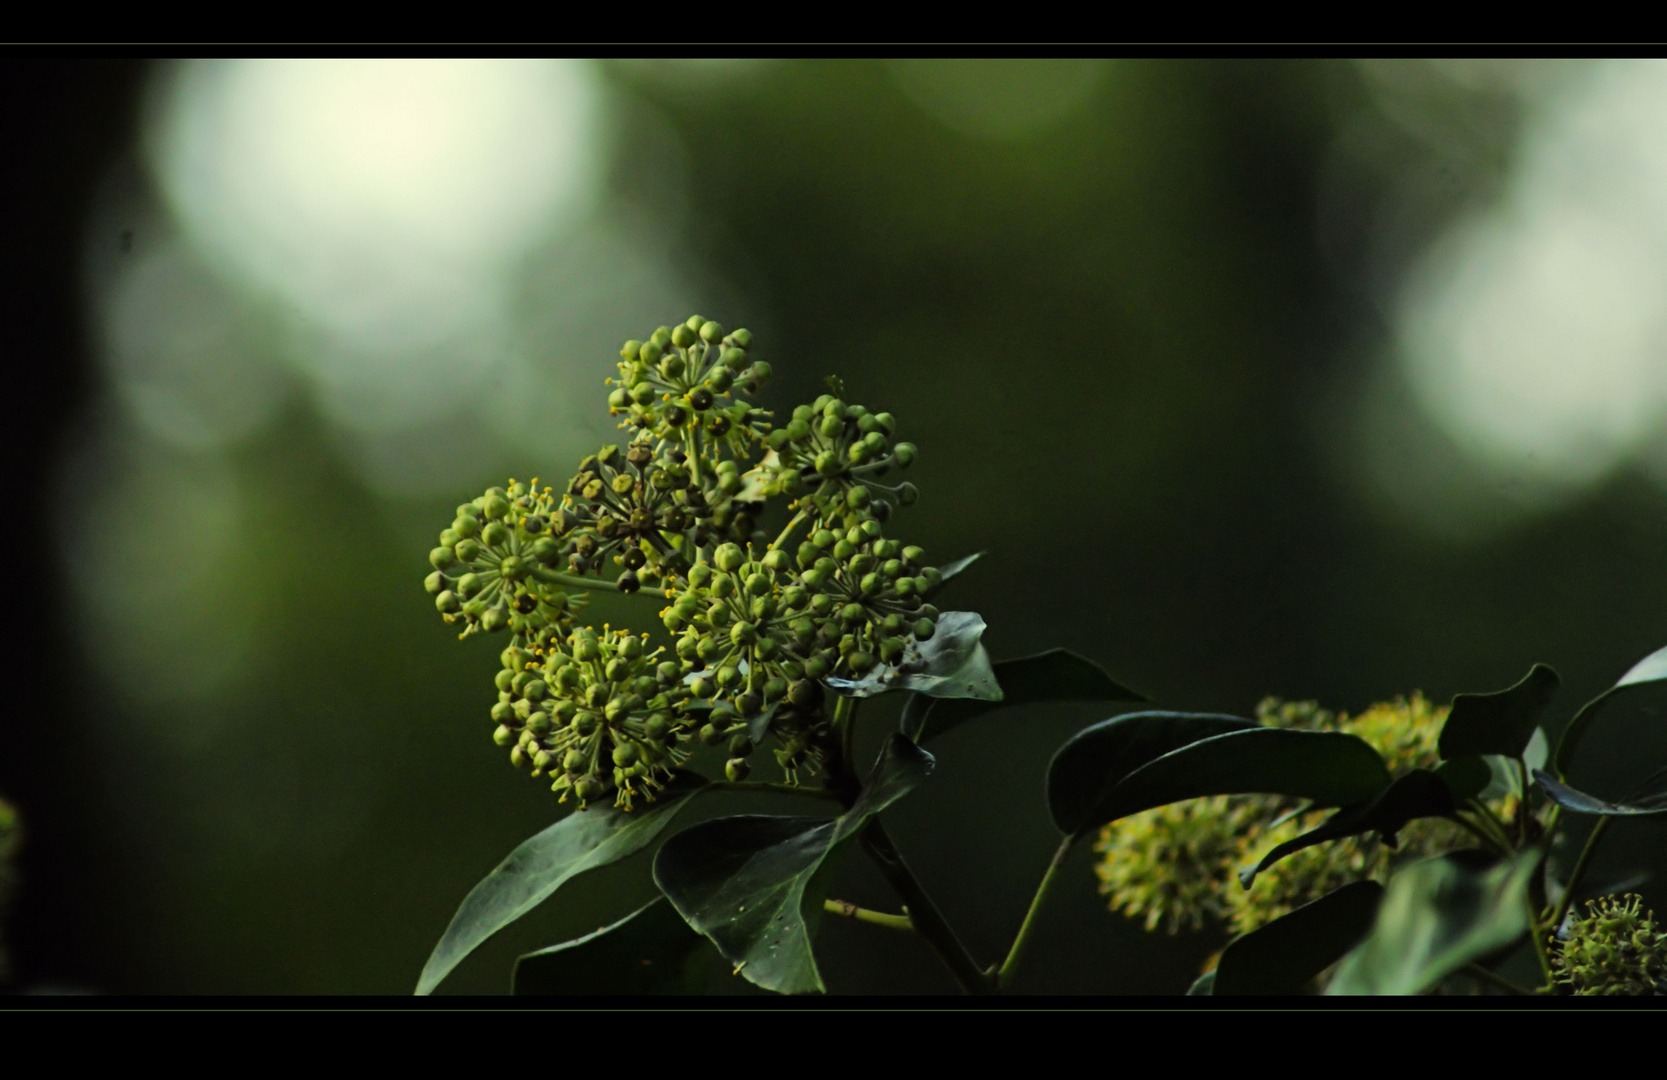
(1541, 949)
(845, 722)
(878, 918)
(1577, 873)
(927, 919)
(1004, 977)
(557, 577)
(1500, 981)
(788, 532)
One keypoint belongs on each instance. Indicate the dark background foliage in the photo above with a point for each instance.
(1131, 345)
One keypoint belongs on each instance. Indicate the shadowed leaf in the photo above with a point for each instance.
(1055, 675)
(1582, 803)
(1501, 722)
(742, 881)
(1285, 955)
(1136, 762)
(1420, 793)
(583, 840)
(650, 951)
(1437, 916)
(1653, 668)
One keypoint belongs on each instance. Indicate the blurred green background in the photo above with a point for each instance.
(1323, 379)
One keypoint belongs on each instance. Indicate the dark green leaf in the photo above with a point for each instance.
(583, 840)
(1653, 668)
(1582, 803)
(1466, 777)
(1055, 675)
(1501, 722)
(1203, 986)
(1284, 956)
(952, 664)
(742, 881)
(650, 951)
(1437, 916)
(1090, 782)
(1420, 793)
(1090, 764)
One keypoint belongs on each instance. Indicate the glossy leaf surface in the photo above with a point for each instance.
(583, 840)
(742, 881)
(1420, 793)
(1136, 762)
(952, 664)
(1285, 955)
(1437, 916)
(650, 951)
(1580, 802)
(1653, 668)
(1055, 675)
(1501, 722)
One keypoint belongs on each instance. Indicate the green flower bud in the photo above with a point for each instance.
(434, 583)
(777, 439)
(904, 453)
(503, 736)
(844, 549)
(504, 712)
(585, 723)
(585, 648)
(907, 494)
(817, 667)
(682, 336)
(496, 534)
(701, 687)
(858, 497)
(442, 557)
(619, 398)
(862, 562)
(830, 426)
(729, 557)
(711, 332)
(672, 366)
(852, 613)
(496, 507)
(871, 584)
(743, 634)
(748, 704)
(467, 551)
(503, 679)
(721, 377)
(590, 789)
(797, 430)
(628, 582)
(828, 464)
(742, 338)
(762, 607)
(447, 603)
(625, 754)
(538, 723)
(699, 574)
(652, 350)
(832, 407)
(728, 676)
(710, 735)
(913, 555)
(932, 577)
(737, 770)
(859, 661)
(630, 349)
(822, 604)
(511, 567)
(924, 629)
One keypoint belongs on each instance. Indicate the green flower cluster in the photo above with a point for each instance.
(1177, 865)
(758, 626)
(1616, 949)
(488, 565)
(598, 712)
(679, 387)
(835, 455)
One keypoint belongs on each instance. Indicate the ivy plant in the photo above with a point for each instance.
(765, 643)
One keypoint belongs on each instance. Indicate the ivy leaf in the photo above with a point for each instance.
(742, 881)
(1467, 777)
(1437, 916)
(952, 664)
(1203, 986)
(1285, 955)
(1582, 803)
(650, 951)
(954, 569)
(1135, 762)
(1501, 722)
(1420, 793)
(583, 840)
(1055, 675)
(1653, 668)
